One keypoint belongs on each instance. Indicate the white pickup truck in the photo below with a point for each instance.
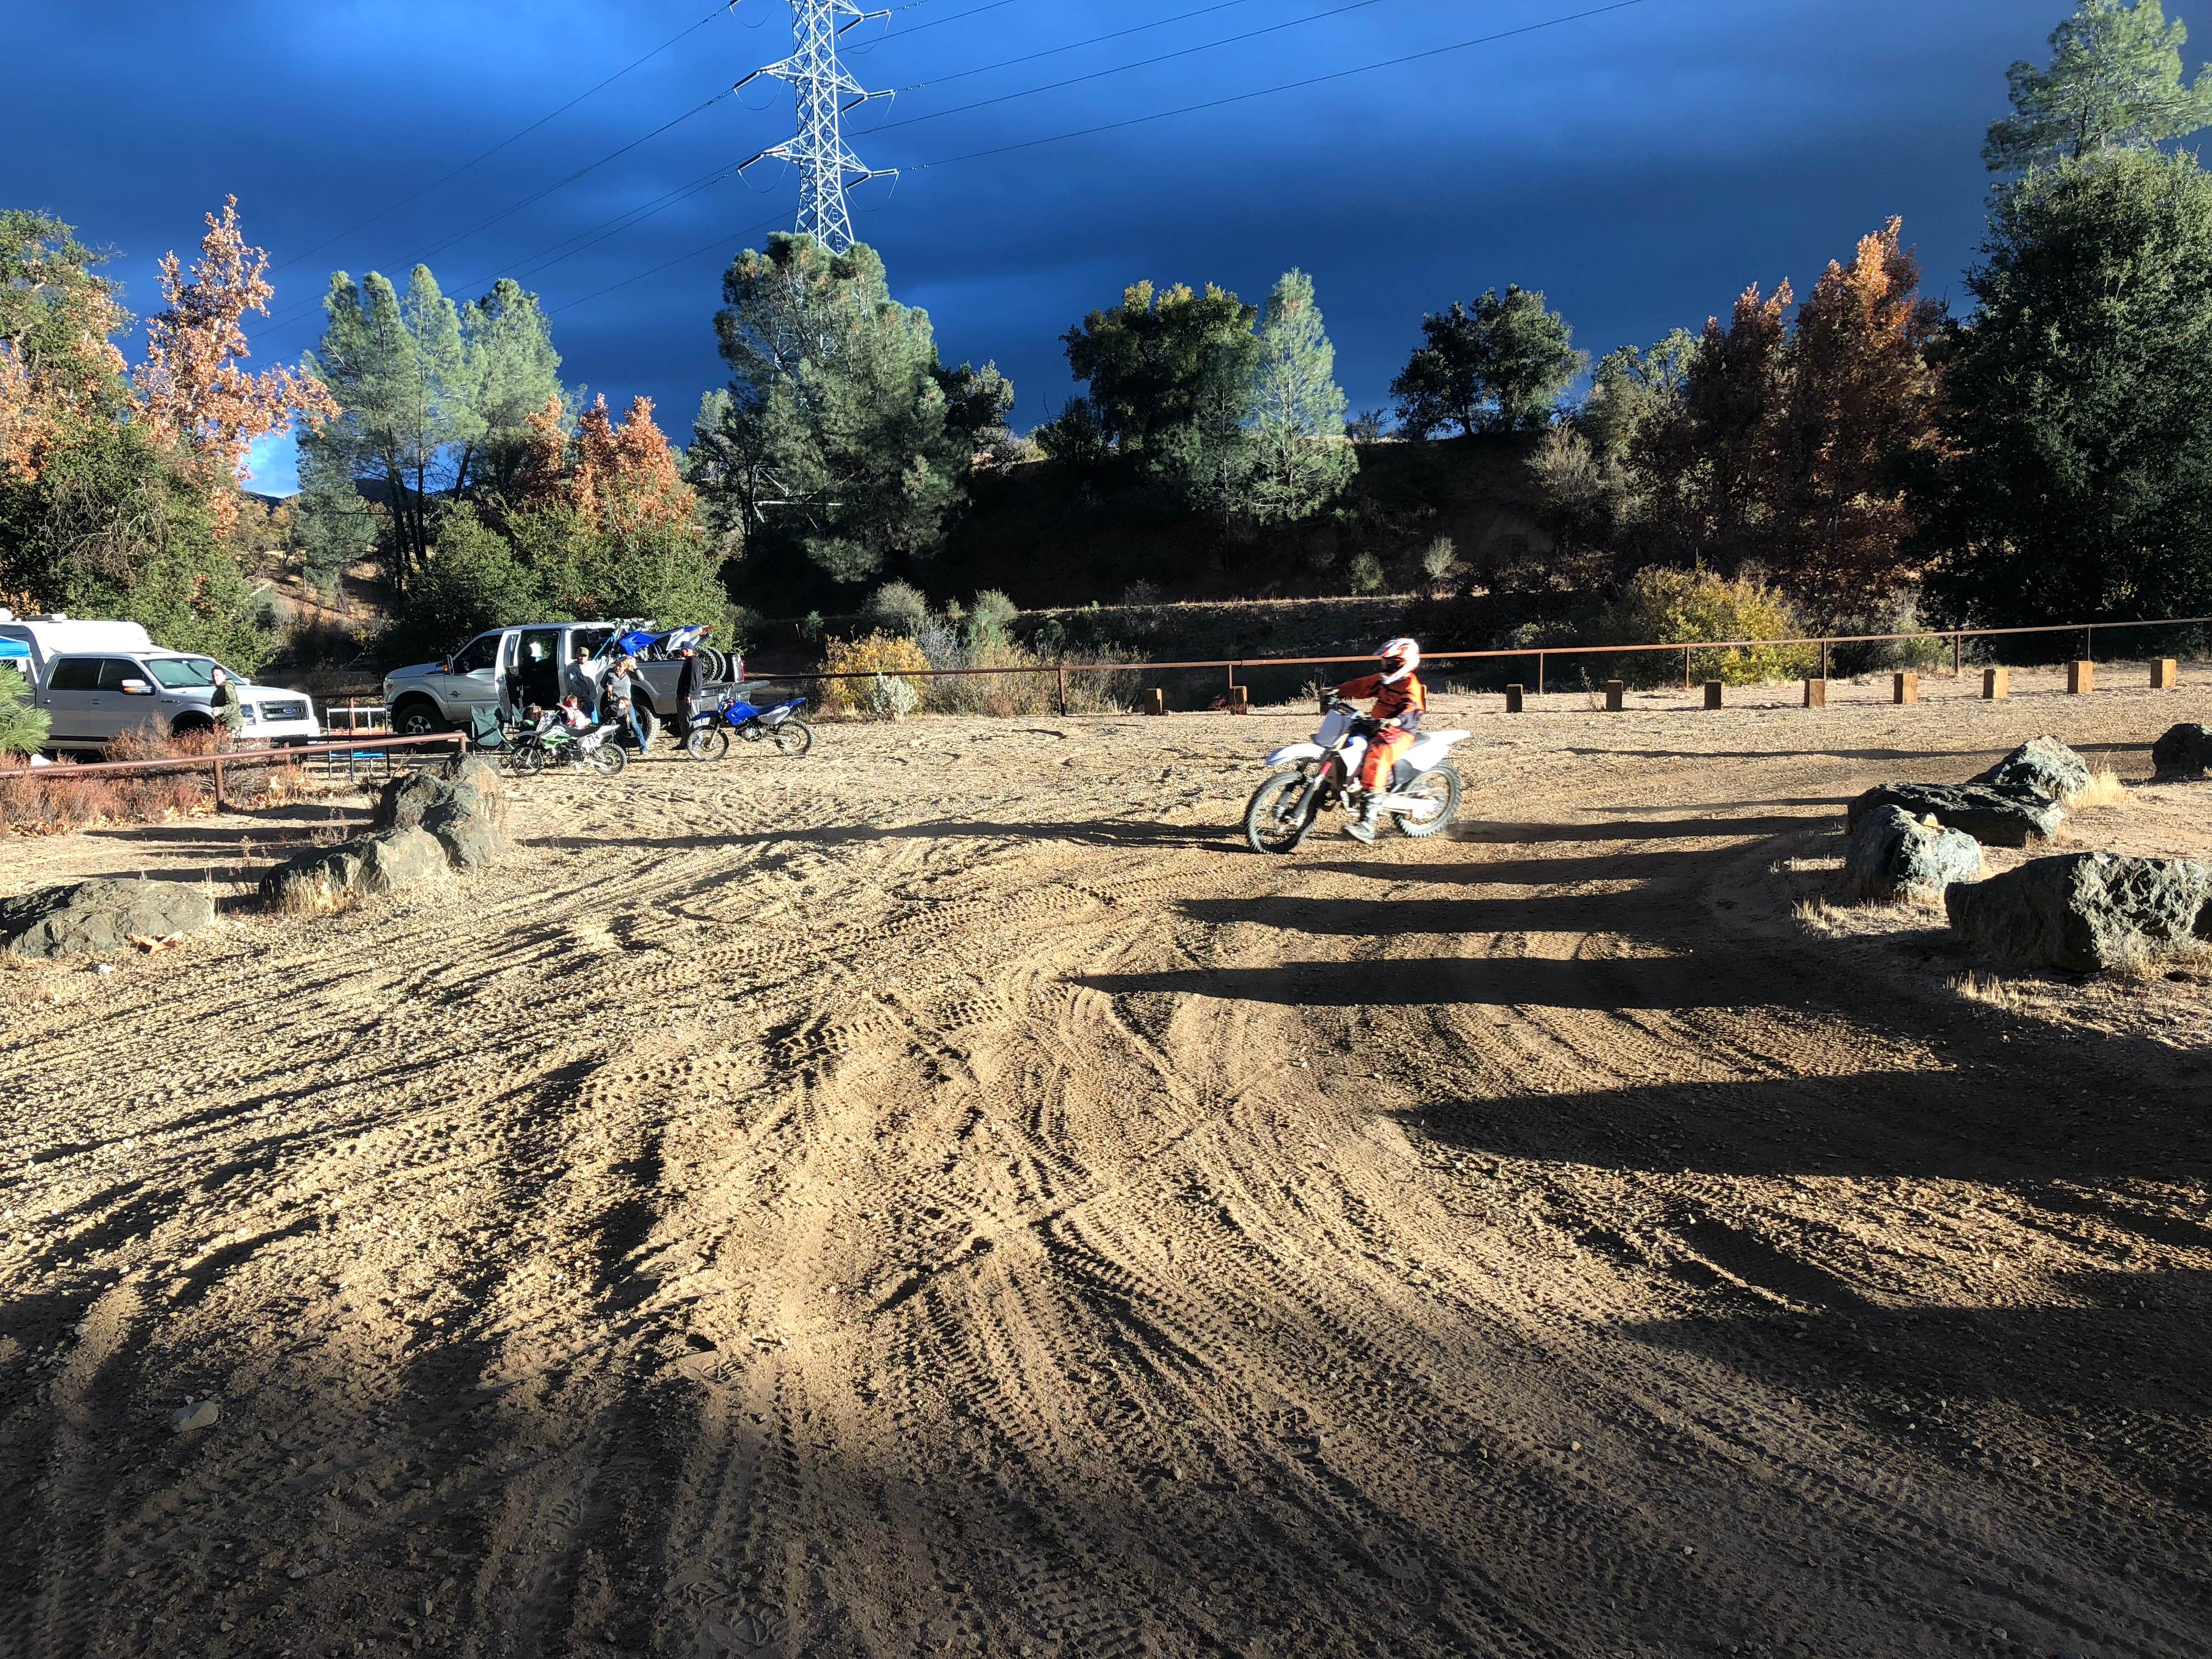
(97, 680)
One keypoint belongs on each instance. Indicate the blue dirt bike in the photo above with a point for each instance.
(778, 724)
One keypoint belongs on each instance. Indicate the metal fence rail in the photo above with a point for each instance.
(1541, 654)
(238, 759)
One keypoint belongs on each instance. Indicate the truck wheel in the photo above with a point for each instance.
(417, 717)
(188, 723)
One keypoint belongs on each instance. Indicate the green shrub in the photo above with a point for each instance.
(1662, 606)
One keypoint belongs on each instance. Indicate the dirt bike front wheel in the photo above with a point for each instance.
(524, 760)
(708, 743)
(1439, 784)
(794, 738)
(1280, 813)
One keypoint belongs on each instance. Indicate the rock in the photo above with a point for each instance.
(2186, 751)
(313, 881)
(2042, 766)
(1894, 855)
(326, 877)
(201, 1415)
(398, 859)
(475, 772)
(2086, 911)
(406, 802)
(470, 837)
(1993, 816)
(103, 915)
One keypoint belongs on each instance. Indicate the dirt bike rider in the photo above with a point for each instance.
(1401, 700)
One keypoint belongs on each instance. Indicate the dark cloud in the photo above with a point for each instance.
(1640, 167)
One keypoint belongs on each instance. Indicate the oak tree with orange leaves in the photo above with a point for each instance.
(193, 388)
(1789, 443)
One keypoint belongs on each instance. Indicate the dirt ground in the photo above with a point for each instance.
(946, 1195)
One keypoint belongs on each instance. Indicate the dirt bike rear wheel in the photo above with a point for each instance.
(608, 759)
(1280, 813)
(524, 760)
(1439, 783)
(708, 743)
(794, 738)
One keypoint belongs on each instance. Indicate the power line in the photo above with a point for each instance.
(1162, 115)
(1073, 45)
(719, 241)
(1286, 86)
(1123, 69)
(536, 197)
(728, 5)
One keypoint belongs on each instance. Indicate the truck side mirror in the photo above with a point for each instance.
(138, 688)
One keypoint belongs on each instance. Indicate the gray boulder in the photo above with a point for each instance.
(2042, 766)
(1993, 816)
(470, 836)
(405, 800)
(2186, 751)
(103, 915)
(1894, 855)
(399, 858)
(322, 879)
(2085, 911)
(315, 880)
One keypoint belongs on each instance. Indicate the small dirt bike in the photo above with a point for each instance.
(708, 739)
(1420, 796)
(535, 748)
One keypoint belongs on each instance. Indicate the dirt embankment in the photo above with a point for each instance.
(943, 1195)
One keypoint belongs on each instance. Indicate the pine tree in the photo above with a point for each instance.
(22, 727)
(402, 373)
(1499, 365)
(834, 440)
(1300, 459)
(2114, 82)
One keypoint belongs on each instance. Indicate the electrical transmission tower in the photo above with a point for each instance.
(824, 93)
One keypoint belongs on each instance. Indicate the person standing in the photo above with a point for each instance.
(582, 681)
(223, 706)
(688, 679)
(619, 700)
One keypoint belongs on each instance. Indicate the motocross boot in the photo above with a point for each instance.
(1362, 827)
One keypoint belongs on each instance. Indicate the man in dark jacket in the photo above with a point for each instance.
(688, 680)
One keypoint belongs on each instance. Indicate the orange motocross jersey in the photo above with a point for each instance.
(1390, 701)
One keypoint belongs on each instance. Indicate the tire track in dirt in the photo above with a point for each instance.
(769, 1220)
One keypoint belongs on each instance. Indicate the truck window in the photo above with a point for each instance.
(477, 655)
(178, 673)
(74, 674)
(114, 671)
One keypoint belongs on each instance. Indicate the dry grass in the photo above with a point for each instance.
(61, 798)
(1994, 992)
(2105, 789)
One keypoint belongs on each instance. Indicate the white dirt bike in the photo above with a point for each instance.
(1420, 796)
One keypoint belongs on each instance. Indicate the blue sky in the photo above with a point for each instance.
(1640, 166)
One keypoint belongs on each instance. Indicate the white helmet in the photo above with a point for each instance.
(1401, 657)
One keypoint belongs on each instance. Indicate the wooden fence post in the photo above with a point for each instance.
(2164, 674)
(220, 802)
(1905, 687)
(1061, 668)
(1616, 692)
(1816, 693)
(1155, 702)
(1712, 694)
(1997, 684)
(1513, 700)
(2081, 678)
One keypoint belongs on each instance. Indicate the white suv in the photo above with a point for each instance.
(93, 699)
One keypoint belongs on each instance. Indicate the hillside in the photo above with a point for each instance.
(1048, 537)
